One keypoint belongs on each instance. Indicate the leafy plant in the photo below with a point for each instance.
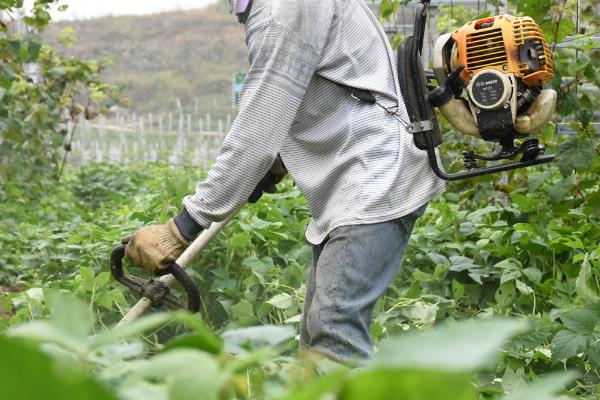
(43, 97)
(435, 364)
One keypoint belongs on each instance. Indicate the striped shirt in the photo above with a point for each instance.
(354, 163)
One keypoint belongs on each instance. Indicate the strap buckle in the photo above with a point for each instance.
(420, 126)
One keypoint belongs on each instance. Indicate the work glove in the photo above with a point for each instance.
(268, 184)
(155, 247)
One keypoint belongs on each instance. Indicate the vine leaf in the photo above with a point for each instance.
(574, 154)
(567, 344)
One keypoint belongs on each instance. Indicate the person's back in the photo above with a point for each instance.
(353, 161)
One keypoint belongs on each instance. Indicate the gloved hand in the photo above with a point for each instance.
(155, 247)
(269, 183)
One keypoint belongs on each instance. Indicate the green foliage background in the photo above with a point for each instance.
(518, 255)
(37, 110)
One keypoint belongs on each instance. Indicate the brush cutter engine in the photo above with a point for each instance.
(503, 62)
(491, 75)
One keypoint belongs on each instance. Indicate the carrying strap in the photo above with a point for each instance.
(243, 15)
(366, 96)
(359, 94)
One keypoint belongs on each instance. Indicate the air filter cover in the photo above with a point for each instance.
(512, 45)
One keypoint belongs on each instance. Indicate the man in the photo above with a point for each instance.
(365, 181)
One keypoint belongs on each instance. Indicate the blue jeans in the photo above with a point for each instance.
(351, 269)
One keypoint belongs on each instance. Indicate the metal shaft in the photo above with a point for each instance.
(184, 260)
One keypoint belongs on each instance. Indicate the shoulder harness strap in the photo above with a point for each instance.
(359, 94)
(244, 13)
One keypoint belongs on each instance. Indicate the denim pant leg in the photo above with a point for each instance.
(350, 271)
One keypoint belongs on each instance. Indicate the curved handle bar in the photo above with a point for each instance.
(190, 287)
(154, 289)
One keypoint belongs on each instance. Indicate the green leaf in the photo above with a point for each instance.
(203, 338)
(566, 27)
(460, 263)
(107, 299)
(243, 313)
(585, 275)
(513, 381)
(525, 203)
(72, 316)
(282, 301)
(593, 353)
(44, 331)
(543, 388)
(536, 180)
(576, 154)
(510, 264)
(256, 337)
(561, 189)
(438, 259)
(567, 344)
(536, 9)
(388, 7)
(69, 325)
(13, 46)
(259, 267)
(87, 278)
(467, 229)
(33, 49)
(408, 384)
(102, 280)
(509, 275)
(458, 289)
(574, 243)
(582, 321)
(199, 342)
(29, 374)
(135, 328)
(533, 274)
(326, 385)
(590, 71)
(568, 104)
(189, 374)
(505, 294)
(461, 347)
(524, 289)
(239, 241)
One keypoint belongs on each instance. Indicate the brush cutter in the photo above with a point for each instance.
(156, 292)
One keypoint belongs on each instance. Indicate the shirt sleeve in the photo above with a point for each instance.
(282, 66)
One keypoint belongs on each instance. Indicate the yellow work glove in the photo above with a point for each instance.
(155, 247)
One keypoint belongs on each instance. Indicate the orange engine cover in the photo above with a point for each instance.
(505, 43)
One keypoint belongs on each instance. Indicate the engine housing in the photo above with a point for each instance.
(505, 63)
(513, 45)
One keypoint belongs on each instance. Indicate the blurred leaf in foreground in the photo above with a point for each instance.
(29, 374)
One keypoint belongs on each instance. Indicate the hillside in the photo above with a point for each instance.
(187, 55)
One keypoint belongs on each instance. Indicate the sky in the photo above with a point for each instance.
(84, 9)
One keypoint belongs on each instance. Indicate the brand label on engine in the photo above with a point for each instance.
(486, 83)
(488, 90)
